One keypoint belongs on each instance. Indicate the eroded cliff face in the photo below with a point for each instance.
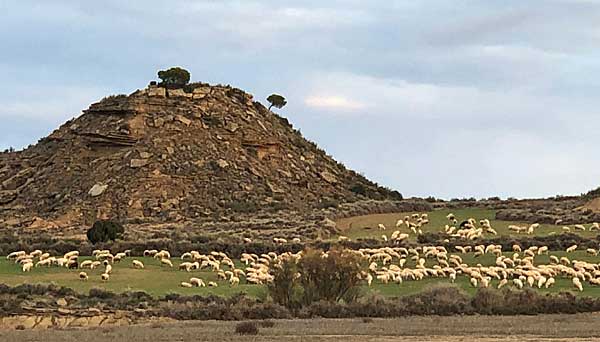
(164, 155)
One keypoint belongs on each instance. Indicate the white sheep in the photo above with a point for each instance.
(571, 249)
(577, 283)
(83, 276)
(27, 267)
(137, 264)
(197, 282)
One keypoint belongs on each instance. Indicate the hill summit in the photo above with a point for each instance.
(166, 155)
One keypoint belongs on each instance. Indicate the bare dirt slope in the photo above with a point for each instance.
(593, 205)
(166, 155)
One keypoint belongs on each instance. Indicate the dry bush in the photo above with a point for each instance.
(317, 277)
(246, 328)
(267, 324)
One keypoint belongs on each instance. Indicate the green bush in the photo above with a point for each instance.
(175, 76)
(276, 100)
(104, 231)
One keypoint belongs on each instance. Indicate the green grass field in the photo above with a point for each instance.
(366, 226)
(153, 279)
(158, 281)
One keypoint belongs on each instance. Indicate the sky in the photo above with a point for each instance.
(438, 98)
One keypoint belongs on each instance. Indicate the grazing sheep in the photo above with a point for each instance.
(27, 267)
(83, 276)
(186, 266)
(212, 284)
(45, 262)
(369, 279)
(137, 264)
(162, 255)
(15, 255)
(197, 282)
(185, 284)
(71, 254)
(381, 226)
(86, 263)
(577, 284)
(104, 276)
(571, 249)
(108, 269)
(150, 252)
(518, 283)
(166, 262)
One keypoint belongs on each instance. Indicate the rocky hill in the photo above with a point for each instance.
(171, 155)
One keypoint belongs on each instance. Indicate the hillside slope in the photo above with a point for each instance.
(167, 155)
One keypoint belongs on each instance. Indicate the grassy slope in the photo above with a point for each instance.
(366, 226)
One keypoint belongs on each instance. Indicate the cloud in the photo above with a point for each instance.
(451, 99)
(339, 103)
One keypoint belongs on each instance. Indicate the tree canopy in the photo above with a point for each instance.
(276, 100)
(175, 76)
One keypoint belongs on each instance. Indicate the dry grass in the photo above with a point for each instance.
(581, 327)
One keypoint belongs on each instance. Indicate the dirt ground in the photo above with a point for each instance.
(580, 327)
(594, 205)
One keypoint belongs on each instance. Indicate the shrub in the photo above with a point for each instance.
(175, 76)
(285, 288)
(359, 189)
(276, 100)
(328, 278)
(104, 231)
(331, 278)
(267, 324)
(246, 328)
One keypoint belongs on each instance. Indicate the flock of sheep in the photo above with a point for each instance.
(385, 265)
(256, 270)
